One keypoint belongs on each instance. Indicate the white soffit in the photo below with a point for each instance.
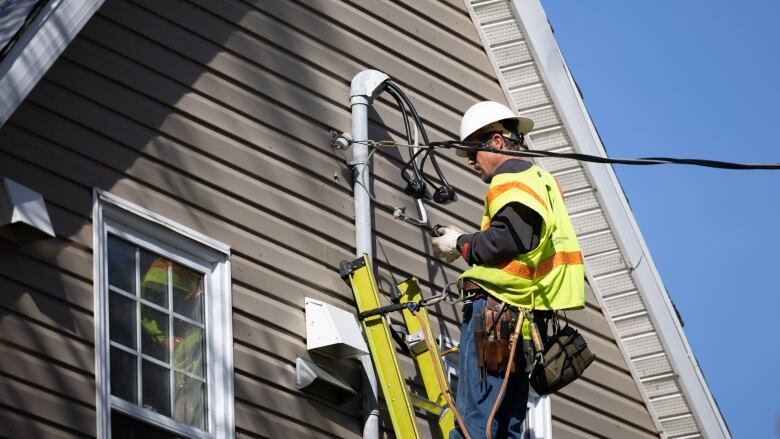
(39, 46)
(537, 83)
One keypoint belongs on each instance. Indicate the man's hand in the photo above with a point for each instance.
(445, 246)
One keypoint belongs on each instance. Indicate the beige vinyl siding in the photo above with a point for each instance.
(216, 114)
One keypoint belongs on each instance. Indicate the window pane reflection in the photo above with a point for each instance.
(154, 278)
(189, 349)
(187, 292)
(122, 322)
(154, 333)
(171, 354)
(121, 264)
(156, 388)
(190, 400)
(124, 382)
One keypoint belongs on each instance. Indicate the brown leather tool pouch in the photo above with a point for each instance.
(494, 332)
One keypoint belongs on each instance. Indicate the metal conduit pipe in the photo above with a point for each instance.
(366, 85)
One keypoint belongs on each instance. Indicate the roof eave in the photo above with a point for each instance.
(39, 46)
(538, 36)
(586, 140)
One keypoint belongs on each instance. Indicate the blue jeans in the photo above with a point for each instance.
(476, 394)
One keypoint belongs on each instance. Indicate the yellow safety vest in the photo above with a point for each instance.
(186, 354)
(552, 273)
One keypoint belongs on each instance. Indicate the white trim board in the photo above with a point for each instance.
(58, 22)
(534, 77)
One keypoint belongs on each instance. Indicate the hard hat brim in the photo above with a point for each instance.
(524, 125)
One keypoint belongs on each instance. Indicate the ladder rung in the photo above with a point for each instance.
(428, 405)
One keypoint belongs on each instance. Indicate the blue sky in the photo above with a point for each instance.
(697, 79)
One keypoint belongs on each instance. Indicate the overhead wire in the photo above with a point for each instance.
(643, 161)
(477, 146)
(416, 150)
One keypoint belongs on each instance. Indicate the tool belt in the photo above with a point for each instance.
(553, 361)
(493, 331)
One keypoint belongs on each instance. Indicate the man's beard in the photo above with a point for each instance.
(482, 175)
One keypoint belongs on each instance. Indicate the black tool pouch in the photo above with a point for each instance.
(566, 356)
(493, 335)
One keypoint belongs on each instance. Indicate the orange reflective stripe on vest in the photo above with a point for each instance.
(501, 188)
(547, 265)
(551, 276)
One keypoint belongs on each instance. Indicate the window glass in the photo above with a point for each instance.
(124, 375)
(154, 278)
(154, 333)
(156, 388)
(125, 427)
(189, 348)
(187, 292)
(121, 264)
(122, 322)
(160, 303)
(190, 400)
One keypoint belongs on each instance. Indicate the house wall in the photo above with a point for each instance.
(216, 115)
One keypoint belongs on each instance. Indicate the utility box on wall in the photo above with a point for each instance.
(333, 332)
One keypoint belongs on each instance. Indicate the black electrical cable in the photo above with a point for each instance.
(424, 135)
(415, 183)
(400, 96)
(477, 146)
(444, 193)
(426, 153)
(415, 187)
(404, 115)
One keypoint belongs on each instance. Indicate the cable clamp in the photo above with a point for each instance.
(353, 163)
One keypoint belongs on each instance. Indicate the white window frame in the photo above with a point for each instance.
(151, 231)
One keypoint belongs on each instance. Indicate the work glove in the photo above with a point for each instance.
(445, 245)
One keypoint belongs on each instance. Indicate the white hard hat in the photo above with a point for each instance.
(484, 114)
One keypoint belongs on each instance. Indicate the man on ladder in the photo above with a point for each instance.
(525, 261)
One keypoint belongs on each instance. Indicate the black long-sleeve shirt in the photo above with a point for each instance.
(515, 229)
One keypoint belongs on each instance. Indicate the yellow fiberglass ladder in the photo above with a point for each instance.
(400, 402)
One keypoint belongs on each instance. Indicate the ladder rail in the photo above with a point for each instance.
(380, 343)
(410, 292)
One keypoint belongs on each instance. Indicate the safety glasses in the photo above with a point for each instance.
(484, 139)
